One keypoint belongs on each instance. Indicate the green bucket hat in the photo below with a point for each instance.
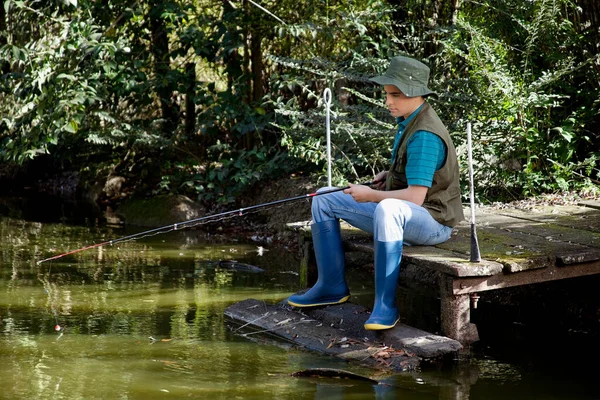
(408, 75)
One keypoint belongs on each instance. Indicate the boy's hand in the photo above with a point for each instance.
(379, 181)
(360, 193)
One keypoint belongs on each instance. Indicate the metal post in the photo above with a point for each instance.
(327, 98)
(475, 255)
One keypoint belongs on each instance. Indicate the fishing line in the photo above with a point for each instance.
(199, 221)
(49, 290)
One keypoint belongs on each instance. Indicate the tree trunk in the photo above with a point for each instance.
(246, 68)
(190, 105)
(442, 13)
(427, 15)
(162, 67)
(590, 14)
(4, 65)
(455, 10)
(231, 59)
(258, 79)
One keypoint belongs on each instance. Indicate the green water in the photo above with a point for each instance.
(144, 319)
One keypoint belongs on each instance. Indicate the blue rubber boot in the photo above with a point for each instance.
(387, 268)
(331, 287)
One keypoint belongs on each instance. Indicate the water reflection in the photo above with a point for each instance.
(144, 319)
(140, 320)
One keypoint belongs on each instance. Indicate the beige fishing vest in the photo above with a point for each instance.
(443, 197)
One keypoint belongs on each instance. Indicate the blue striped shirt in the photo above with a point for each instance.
(426, 153)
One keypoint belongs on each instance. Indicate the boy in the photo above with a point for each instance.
(416, 202)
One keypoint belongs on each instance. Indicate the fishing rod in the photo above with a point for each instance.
(193, 222)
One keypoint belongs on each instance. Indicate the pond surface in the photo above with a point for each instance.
(144, 319)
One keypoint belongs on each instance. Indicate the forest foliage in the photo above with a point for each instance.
(208, 98)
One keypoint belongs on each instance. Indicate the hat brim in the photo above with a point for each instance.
(409, 91)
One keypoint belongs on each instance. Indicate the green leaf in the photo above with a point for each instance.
(71, 127)
(66, 76)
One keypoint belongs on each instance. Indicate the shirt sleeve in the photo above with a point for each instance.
(426, 153)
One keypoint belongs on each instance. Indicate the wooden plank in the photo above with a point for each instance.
(514, 250)
(590, 203)
(548, 228)
(350, 318)
(519, 248)
(577, 258)
(576, 217)
(338, 331)
(449, 262)
(568, 244)
(462, 286)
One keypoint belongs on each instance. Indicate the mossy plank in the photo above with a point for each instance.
(576, 217)
(510, 240)
(519, 251)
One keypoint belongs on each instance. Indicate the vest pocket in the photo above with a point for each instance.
(396, 181)
(449, 194)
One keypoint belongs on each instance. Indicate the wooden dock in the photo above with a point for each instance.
(518, 246)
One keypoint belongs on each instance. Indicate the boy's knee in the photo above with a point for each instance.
(320, 204)
(391, 210)
(325, 188)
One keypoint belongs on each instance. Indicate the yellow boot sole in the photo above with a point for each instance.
(380, 327)
(340, 301)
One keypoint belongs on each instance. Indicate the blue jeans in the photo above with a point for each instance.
(389, 220)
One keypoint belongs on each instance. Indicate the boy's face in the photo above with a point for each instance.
(398, 103)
